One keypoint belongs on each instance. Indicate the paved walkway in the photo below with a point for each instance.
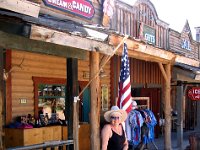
(159, 142)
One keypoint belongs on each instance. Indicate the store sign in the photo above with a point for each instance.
(148, 33)
(194, 93)
(82, 8)
(185, 44)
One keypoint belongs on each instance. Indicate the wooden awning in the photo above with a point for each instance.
(186, 73)
(140, 50)
(69, 40)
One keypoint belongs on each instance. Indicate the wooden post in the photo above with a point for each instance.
(1, 98)
(179, 106)
(76, 124)
(167, 108)
(71, 92)
(95, 102)
(166, 71)
(198, 116)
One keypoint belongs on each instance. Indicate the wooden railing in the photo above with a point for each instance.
(51, 144)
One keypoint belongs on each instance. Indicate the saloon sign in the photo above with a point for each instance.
(194, 93)
(82, 8)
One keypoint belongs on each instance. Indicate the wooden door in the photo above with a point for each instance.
(154, 95)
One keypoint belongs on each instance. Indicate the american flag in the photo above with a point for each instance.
(124, 92)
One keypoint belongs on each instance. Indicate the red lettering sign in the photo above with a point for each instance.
(82, 8)
(194, 93)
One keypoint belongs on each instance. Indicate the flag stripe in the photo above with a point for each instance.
(124, 91)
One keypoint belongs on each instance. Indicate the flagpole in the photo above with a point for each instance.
(115, 50)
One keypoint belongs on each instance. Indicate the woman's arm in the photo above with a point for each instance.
(105, 136)
(125, 145)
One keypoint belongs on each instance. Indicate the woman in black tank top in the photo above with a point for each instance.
(113, 135)
(116, 142)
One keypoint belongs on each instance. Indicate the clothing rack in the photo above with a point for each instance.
(143, 106)
(145, 100)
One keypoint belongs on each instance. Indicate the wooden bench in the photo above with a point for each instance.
(49, 144)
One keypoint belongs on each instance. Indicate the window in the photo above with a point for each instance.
(49, 96)
(51, 99)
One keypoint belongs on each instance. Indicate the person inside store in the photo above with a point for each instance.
(113, 135)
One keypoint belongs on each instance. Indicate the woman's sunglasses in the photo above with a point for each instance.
(114, 118)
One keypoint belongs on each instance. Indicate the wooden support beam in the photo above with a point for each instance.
(21, 6)
(95, 102)
(66, 39)
(1, 98)
(183, 75)
(163, 71)
(179, 108)
(145, 51)
(167, 108)
(187, 61)
(10, 41)
(71, 92)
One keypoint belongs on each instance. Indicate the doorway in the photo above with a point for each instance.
(154, 95)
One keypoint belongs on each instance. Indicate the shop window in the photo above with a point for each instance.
(51, 99)
(49, 96)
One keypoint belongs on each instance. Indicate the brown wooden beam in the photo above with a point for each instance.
(167, 108)
(187, 61)
(95, 102)
(66, 39)
(163, 71)
(1, 98)
(21, 6)
(71, 92)
(143, 51)
(10, 41)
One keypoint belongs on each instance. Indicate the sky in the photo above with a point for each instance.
(176, 12)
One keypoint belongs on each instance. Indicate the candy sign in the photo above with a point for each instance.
(194, 93)
(82, 8)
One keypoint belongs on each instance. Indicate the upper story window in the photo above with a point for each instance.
(185, 44)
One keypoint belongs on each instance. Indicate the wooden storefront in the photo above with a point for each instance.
(27, 66)
(185, 77)
(48, 42)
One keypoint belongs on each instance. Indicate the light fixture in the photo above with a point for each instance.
(102, 74)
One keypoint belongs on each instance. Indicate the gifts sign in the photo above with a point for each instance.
(194, 93)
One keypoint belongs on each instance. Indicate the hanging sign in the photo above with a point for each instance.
(147, 33)
(194, 93)
(82, 8)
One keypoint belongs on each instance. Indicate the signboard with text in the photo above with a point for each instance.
(81, 8)
(194, 93)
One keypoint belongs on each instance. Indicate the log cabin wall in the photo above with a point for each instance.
(38, 65)
(127, 20)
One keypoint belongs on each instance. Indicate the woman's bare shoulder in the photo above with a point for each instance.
(106, 131)
(107, 127)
